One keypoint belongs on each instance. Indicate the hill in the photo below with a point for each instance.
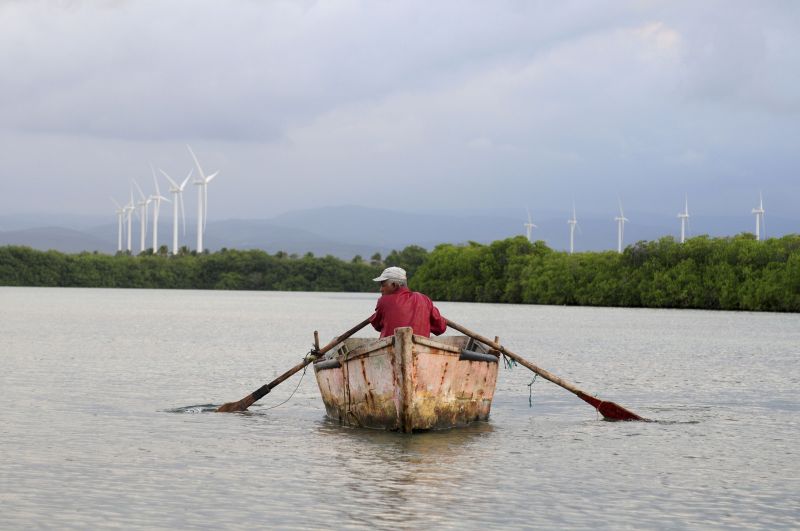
(346, 231)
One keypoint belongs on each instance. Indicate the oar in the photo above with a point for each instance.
(259, 393)
(609, 410)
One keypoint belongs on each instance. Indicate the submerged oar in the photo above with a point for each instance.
(609, 410)
(259, 393)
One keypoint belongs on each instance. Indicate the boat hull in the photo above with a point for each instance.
(407, 383)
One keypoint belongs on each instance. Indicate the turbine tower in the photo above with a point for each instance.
(759, 213)
(573, 222)
(529, 226)
(177, 196)
(684, 217)
(129, 209)
(621, 219)
(202, 199)
(143, 202)
(120, 222)
(156, 199)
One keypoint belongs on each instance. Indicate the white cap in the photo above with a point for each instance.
(392, 273)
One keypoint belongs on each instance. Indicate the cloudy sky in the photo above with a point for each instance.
(408, 105)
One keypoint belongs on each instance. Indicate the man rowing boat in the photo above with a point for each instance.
(399, 306)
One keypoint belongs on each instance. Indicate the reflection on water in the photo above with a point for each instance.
(100, 434)
(382, 475)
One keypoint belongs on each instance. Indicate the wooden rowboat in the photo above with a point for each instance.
(407, 382)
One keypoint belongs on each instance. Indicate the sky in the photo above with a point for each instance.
(412, 105)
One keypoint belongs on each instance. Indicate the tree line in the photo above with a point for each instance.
(225, 269)
(732, 273)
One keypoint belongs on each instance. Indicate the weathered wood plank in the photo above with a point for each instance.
(407, 383)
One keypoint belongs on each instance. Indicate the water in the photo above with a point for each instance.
(106, 420)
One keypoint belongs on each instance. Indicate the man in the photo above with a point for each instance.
(399, 306)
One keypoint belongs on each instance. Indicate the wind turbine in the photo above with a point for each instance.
(202, 199)
(177, 194)
(156, 199)
(143, 202)
(759, 213)
(529, 226)
(573, 222)
(129, 208)
(621, 219)
(684, 217)
(120, 222)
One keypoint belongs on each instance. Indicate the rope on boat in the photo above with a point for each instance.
(530, 391)
(509, 363)
(312, 355)
(296, 388)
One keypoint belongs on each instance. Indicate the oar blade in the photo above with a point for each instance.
(613, 411)
(609, 410)
(234, 407)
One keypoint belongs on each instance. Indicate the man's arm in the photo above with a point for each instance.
(438, 323)
(376, 320)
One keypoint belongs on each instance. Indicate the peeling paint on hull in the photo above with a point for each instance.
(406, 383)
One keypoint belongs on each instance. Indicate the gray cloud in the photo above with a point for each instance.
(502, 104)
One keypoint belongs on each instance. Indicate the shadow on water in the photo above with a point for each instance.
(327, 427)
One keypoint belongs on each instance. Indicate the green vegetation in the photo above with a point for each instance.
(226, 269)
(737, 273)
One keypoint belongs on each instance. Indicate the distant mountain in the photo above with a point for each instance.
(340, 231)
(271, 237)
(346, 231)
(57, 238)
(38, 220)
(395, 229)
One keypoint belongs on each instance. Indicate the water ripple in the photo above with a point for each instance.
(98, 450)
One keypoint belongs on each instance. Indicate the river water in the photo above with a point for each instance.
(105, 422)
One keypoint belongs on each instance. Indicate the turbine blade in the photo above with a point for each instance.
(173, 183)
(210, 177)
(202, 175)
(186, 180)
(138, 188)
(115, 202)
(155, 181)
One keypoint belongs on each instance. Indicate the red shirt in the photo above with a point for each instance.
(407, 308)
